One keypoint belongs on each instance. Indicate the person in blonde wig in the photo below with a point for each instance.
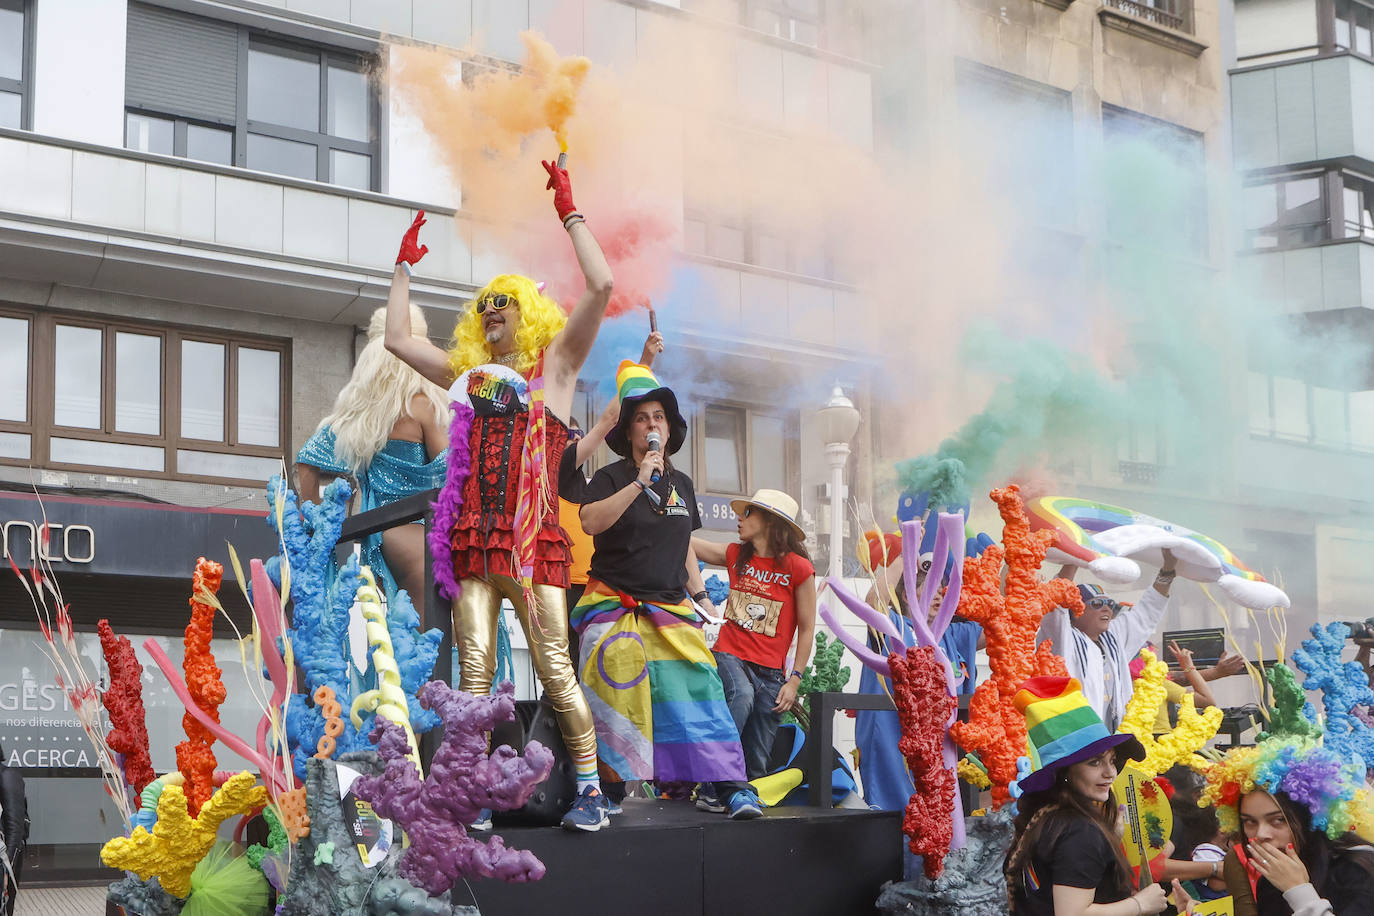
(389, 431)
(512, 370)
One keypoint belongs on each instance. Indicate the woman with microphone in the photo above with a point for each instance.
(657, 700)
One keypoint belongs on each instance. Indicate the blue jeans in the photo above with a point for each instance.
(751, 692)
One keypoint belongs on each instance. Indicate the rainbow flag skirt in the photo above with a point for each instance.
(655, 695)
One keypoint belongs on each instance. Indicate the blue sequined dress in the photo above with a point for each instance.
(398, 470)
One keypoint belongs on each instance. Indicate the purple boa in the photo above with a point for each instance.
(450, 502)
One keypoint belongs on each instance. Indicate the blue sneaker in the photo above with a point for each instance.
(483, 821)
(590, 812)
(745, 805)
(613, 807)
(708, 801)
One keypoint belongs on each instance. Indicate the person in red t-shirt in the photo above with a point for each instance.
(772, 599)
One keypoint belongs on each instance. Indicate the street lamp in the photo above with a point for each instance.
(839, 421)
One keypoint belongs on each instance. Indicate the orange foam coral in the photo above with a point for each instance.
(1010, 616)
(195, 756)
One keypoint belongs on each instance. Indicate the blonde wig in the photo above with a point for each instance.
(540, 320)
(378, 394)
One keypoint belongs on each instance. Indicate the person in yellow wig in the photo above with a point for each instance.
(512, 370)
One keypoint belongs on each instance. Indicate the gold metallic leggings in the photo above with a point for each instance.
(474, 629)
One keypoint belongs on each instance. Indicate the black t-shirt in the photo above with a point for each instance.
(1073, 852)
(644, 553)
(572, 485)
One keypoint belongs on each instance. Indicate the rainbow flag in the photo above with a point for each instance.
(655, 696)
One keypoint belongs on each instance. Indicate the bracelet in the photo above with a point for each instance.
(700, 596)
(795, 673)
(639, 483)
(1215, 866)
(571, 217)
(579, 221)
(1166, 575)
(405, 265)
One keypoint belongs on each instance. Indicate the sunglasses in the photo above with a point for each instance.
(1102, 601)
(747, 510)
(495, 302)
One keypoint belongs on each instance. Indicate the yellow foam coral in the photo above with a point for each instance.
(178, 841)
(1147, 696)
(1192, 733)
(973, 774)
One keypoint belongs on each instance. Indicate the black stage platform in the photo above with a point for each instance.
(666, 857)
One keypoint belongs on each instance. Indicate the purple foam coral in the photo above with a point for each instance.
(462, 780)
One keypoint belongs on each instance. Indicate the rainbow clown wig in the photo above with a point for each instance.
(541, 319)
(1332, 789)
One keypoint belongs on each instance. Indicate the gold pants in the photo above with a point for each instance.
(474, 630)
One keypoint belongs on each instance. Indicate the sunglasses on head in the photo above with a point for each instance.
(496, 302)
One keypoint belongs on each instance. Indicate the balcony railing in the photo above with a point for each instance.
(1154, 14)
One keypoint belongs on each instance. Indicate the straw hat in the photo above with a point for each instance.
(774, 502)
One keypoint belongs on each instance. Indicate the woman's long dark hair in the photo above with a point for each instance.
(1042, 816)
(782, 539)
(1352, 893)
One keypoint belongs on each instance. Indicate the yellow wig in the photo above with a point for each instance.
(540, 320)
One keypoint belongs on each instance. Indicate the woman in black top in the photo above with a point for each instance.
(1067, 859)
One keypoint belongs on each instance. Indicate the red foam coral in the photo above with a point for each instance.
(1010, 616)
(920, 691)
(123, 700)
(195, 756)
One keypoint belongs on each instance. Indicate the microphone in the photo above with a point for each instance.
(655, 444)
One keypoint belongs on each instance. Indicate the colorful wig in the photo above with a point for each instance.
(1331, 788)
(541, 319)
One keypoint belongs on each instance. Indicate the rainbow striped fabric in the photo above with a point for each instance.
(655, 696)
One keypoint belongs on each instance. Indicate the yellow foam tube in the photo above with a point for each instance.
(388, 699)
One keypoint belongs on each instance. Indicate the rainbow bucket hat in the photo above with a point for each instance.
(634, 384)
(1062, 729)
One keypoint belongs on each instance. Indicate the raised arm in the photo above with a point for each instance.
(421, 355)
(1202, 694)
(591, 441)
(709, 552)
(569, 349)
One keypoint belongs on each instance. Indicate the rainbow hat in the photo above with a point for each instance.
(633, 384)
(1063, 729)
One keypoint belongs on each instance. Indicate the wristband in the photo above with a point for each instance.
(639, 483)
(405, 265)
(700, 596)
(795, 673)
(1167, 575)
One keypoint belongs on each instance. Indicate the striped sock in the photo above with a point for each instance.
(586, 772)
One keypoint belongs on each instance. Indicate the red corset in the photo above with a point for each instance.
(483, 540)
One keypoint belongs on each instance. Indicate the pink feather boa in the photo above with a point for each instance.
(450, 502)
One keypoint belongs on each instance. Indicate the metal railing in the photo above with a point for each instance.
(1155, 14)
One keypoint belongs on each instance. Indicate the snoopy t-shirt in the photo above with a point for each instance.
(761, 612)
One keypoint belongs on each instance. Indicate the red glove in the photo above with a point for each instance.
(562, 190)
(411, 250)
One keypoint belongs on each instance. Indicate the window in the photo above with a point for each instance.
(1000, 112)
(1157, 194)
(16, 63)
(1353, 24)
(1297, 411)
(1285, 212)
(159, 400)
(743, 450)
(1357, 201)
(179, 137)
(217, 92)
(794, 20)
